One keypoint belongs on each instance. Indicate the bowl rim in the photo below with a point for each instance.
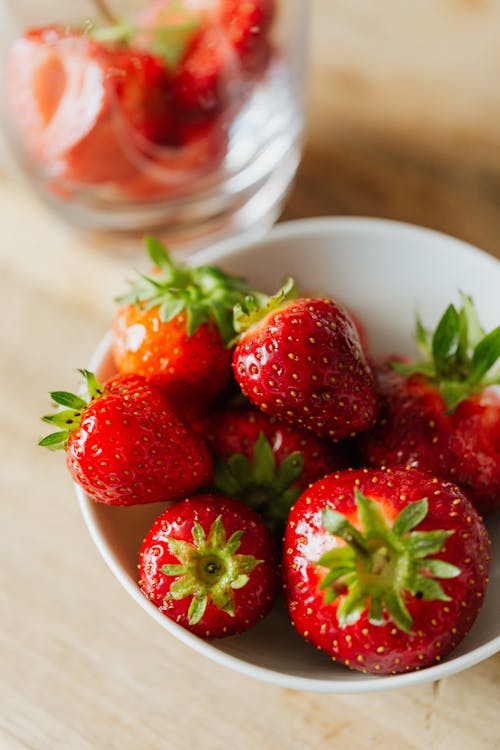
(365, 683)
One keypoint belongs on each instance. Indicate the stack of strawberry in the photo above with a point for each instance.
(143, 107)
(255, 417)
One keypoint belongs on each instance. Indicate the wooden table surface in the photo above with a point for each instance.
(404, 113)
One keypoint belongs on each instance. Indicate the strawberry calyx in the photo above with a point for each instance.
(168, 38)
(204, 293)
(261, 482)
(209, 570)
(381, 565)
(457, 356)
(168, 42)
(257, 305)
(68, 419)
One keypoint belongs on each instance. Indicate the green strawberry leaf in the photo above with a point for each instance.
(475, 331)
(438, 568)
(422, 337)
(197, 608)
(460, 357)
(171, 42)
(256, 306)
(423, 543)
(55, 441)
(445, 341)
(352, 605)
(486, 353)
(398, 611)
(428, 589)
(264, 461)
(69, 419)
(63, 398)
(371, 518)
(410, 516)
(204, 293)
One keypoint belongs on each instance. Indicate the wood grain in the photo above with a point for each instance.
(404, 112)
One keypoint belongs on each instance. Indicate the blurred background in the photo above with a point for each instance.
(403, 113)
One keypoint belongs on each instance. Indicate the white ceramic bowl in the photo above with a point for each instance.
(383, 270)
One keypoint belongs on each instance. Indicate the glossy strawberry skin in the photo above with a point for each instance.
(414, 429)
(437, 625)
(131, 448)
(411, 426)
(237, 429)
(304, 364)
(252, 602)
(185, 368)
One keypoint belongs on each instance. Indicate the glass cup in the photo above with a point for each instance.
(178, 116)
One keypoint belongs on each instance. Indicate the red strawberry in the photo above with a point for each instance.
(203, 79)
(438, 413)
(301, 361)
(363, 554)
(59, 100)
(83, 109)
(209, 564)
(125, 445)
(143, 93)
(176, 326)
(247, 25)
(267, 463)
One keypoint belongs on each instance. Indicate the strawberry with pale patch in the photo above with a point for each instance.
(125, 444)
(175, 327)
(385, 570)
(442, 412)
(301, 361)
(209, 563)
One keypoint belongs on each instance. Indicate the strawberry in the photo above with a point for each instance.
(440, 413)
(247, 25)
(301, 361)
(204, 77)
(143, 95)
(209, 564)
(176, 326)
(59, 100)
(385, 570)
(266, 463)
(85, 110)
(125, 445)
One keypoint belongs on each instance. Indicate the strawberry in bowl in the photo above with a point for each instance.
(385, 570)
(124, 443)
(210, 564)
(441, 412)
